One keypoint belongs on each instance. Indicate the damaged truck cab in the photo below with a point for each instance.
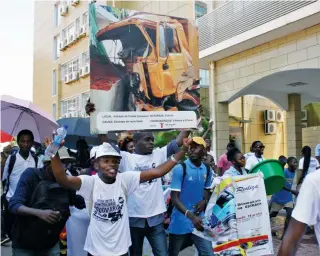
(160, 58)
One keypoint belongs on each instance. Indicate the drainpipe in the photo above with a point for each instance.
(243, 126)
(212, 104)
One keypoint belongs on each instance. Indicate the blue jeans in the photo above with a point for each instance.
(156, 237)
(179, 242)
(54, 251)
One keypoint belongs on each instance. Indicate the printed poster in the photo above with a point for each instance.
(143, 71)
(237, 217)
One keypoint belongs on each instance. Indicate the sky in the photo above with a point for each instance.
(16, 45)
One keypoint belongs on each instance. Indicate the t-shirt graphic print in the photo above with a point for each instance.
(108, 232)
(110, 210)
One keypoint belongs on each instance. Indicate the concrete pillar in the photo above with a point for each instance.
(219, 113)
(294, 125)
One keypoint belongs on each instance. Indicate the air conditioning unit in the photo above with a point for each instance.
(75, 2)
(66, 79)
(66, 42)
(73, 76)
(304, 115)
(270, 128)
(82, 73)
(74, 114)
(87, 69)
(83, 30)
(61, 46)
(270, 115)
(77, 35)
(279, 116)
(63, 10)
(72, 38)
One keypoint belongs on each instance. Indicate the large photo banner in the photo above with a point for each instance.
(144, 71)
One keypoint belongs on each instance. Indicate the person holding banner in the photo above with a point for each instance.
(107, 193)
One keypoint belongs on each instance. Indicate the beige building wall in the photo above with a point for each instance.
(297, 50)
(44, 34)
(311, 137)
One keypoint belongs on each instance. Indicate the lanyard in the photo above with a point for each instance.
(259, 160)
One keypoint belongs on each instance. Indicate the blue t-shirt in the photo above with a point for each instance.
(283, 196)
(191, 192)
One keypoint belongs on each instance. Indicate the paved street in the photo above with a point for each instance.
(308, 246)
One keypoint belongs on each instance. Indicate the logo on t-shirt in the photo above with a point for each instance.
(108, 210)
(145, 168)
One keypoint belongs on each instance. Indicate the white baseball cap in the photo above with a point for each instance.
(106, 150)
(93, 152)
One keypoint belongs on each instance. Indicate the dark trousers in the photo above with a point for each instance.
(8, 218)
(156, 237)
(179, 242)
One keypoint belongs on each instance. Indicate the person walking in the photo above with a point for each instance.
(283, 199)
(15, 166)
(107, 193)
(238, 162)
(258, 149)
(190, 192)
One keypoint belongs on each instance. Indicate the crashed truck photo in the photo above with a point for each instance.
(152, 59)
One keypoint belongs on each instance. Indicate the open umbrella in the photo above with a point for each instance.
(5, 137)
(18, 114)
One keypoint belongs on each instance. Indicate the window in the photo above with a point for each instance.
(54, 83)
(204, 78)
(77, 25)
(85, 19)
(70, 105)
(56, 13)
(56, 48)
(68, 31)
(54, 110)
(85, 59)
(163, 48)
(201, 9)
(69, 67)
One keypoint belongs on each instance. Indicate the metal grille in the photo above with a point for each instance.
(237, 17)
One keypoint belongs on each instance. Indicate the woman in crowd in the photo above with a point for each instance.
(238, 162)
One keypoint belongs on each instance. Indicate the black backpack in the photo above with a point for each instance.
(34, 233)
(170, 204)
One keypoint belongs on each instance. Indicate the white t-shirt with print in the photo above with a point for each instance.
(144, 202)
(307, 209)
(312, 166)
(253, 161)
(108, 232)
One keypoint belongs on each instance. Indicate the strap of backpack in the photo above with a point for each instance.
(208, 172)
(12, 161)
(36, 160)
(184, 169)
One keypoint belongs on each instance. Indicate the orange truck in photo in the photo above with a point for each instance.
(158, 61)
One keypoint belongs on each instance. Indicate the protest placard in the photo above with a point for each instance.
(237, 217)
(144, 66)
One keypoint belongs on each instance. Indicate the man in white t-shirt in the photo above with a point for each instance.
(257, 148)
(305, 213)
(106, 197)
(146, 213)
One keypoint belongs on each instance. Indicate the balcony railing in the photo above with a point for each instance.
(237, 17)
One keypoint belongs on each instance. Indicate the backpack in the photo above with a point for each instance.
(34, 233)
(169, 202)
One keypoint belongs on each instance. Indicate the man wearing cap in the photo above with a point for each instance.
(106, 196)
(190, 192)
(19, 205)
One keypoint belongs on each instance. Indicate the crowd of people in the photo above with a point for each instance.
(116, 200)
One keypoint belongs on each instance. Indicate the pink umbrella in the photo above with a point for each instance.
(18, 114)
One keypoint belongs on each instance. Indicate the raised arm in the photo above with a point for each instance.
(70, 182)
(209, 130)
(166, 167)
(182, 135)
